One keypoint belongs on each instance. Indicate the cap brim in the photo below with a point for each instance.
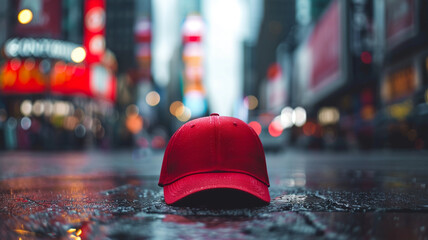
(204, 181)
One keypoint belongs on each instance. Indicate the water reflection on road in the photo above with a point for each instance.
(115, 195)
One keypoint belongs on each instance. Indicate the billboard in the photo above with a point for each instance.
(324, 44)
(400, 21)
(319, 66)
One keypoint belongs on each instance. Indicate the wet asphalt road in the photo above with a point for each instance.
(114, 195)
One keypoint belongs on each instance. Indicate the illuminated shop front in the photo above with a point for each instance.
(50, 95)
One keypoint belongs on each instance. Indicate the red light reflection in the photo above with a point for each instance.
(275, 129)
(309, 129)
(256, 127)
(366, 57)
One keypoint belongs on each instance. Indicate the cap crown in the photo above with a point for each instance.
(213, 144)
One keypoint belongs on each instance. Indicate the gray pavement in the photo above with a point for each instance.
(114, 195)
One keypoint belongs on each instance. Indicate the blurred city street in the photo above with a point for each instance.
(94, 92)
(114, 195)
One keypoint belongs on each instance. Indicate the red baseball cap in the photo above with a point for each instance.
(214, 152)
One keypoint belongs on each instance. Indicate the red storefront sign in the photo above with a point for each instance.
(95, 81)
(22, 77)
(324, 45)
(25, 77)
(70, 80)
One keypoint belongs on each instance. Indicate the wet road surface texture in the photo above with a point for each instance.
(114, 195)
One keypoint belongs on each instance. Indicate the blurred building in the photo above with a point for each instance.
(403, 95)
(129, 35)
(178, 45)
(277, 23)
(264, 91)
(358, 69)
(334, 77)
(120, 19)
(316, 81)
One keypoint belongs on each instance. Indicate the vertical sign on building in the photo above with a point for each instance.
(194, 92)
(94, 30)
(275, 88)
(101, 80)
(143, 38)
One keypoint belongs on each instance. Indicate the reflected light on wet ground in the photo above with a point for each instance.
(115, 196)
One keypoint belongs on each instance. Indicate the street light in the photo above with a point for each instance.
(25, 16)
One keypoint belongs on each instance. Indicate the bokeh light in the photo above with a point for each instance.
(251, 102)
(176, 108)
(275, 129)
(25, 16)
(25, 123)
(286, 117)
(61, 108)
(134, 122)
(366, 57)
(78, 55)
(256, 127)
(29, 64)
(15, 64)
(185, 116)
(38, 108)
(309, 128)
(48, 108)
(152, 98)
(132, 110)
(298, 116)
(328, 115)
(80, 131)
(70, 122)
(26, 107)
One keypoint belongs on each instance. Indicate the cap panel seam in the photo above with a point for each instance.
(259, 142)
(216, 171)
(216, 139)
(170, 146)
(212, 141)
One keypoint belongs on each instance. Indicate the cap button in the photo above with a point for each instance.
(214, 114)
